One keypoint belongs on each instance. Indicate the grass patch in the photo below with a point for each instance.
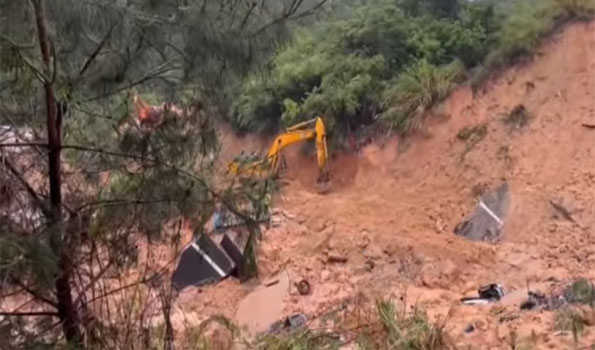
(303, 340)
(569, 319)
(518, 117)
(383, 325)
(581, 9)
(417, 89)
(581, 291)
(472, 135)
(402, 330)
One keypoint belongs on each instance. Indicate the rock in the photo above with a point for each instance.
(321, 226)
(370, 265)
(373, 252)
(391, 249)
(469, 329)
(276, 221)
(271, 281)
(332, 258)
(325, 275)
(288, 215)
(481, 325)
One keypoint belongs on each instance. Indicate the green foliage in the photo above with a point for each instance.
(418, 88)
(385, 57)
(409, 331)
(301, 340)
(342, 70)
(582, 9)
(522, 30)
(522, 26)
(581, 291)
(569, 319)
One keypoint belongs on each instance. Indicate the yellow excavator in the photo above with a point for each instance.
(271, 164)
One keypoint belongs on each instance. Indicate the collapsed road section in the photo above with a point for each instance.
(209, 260)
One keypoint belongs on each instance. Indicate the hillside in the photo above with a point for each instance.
(397, 202)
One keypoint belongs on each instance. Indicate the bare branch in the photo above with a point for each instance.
(34, 195)
(26, 314)
(96, 52)
(34, 293)
(158, 71)
(23, 144)
(290, 14)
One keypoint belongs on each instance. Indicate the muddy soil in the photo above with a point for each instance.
(395, 204)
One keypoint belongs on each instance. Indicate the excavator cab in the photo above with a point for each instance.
(273, 162)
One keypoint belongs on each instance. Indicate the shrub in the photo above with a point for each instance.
(342, 69)
(394, 58)
(582, 9)
(569, 319)
(518, 117)
(409, 331)
(417, 89)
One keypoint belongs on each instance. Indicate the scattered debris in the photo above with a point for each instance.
(208, 259)
(487, 294)
(581, 291)
(271, 282)
(202, 262)
(289, 324)
(303, 287)
(337, 259)
(473, 134)
(370, 265)
(534, 300)
(486, 222)
(563, 211)
(508, 317)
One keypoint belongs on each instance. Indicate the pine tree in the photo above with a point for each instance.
(80, 180)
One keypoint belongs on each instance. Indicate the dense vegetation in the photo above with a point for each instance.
(392, 59)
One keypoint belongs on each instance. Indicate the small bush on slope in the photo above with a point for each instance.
(418, 88)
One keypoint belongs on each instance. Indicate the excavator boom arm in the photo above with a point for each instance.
(321, 148)
(294, 134)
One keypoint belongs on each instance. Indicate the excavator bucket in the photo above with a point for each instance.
(323, 183)
(323, 187)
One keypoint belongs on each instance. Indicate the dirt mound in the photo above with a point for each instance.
(392, 217)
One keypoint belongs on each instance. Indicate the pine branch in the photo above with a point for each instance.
(34, 293)
(23, 144)
(156, 73)
(290, 14)
(96, 52)
(26, 314)
(34, 195)
(15, 44)
(122, 202)
(211, 191)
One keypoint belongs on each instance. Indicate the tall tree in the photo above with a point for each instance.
(85, 182)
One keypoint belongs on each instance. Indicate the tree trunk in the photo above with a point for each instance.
(60, 243)
(166, 301)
